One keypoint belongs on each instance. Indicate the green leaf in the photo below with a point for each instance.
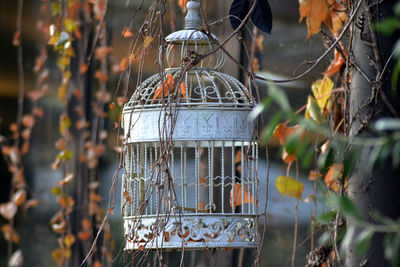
(279, 96)
(325, 160)
(325, 237)
(349, 162)
(388, 26)
(347, 238)
(259, 108)
(269, 130)
(326, 218)
(364, 240)
(396, 73)
(396, 154)
(397, 9)
(308, 158)
(345, 205)
(314, 111)
(55, 8)
(387, 124)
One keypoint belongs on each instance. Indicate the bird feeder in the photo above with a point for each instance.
(190, 179)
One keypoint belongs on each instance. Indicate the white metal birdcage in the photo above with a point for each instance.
(190, 154)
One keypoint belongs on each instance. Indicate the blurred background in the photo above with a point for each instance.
(281, 56)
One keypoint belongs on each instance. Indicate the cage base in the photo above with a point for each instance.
(190, 232)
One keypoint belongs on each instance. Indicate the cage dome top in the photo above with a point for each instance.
(192, 33)
(201, 85)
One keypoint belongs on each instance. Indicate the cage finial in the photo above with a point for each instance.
(192, 19)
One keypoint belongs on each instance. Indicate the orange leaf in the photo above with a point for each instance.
(28, 120)
(66, 202)
(83, 235)
(101, 76)
(60, 144)
(238, 157)
(127, 197)
(58, 256)
(86, 224)
(288, 158)
(13, 127)
(335, 65)
(127, 33)
(201, 205)
(37, 112)
(123, 64)
(120, 101)
(36, 94)
(314, 175)
(19, 197)
(166, 236)
(168, 85)
(101, 52)
(94, 197)
(78, 33)
(16, 38)
(59, 228)
(83, 67)
(237, 191)
(259, 42)
(334, 173)
(315, 12)
(202, 180)
(183, 90)
(255, 65)
(31, 203)
(10, 234)
(282, 131)
(182, 4)
(25, 148)
(26, 134)
(337, 16)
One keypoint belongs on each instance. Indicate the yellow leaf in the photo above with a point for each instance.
(322, 89)
(65, 123)
(288, 186)
(147, 41)
(58, 256)
(69, 240)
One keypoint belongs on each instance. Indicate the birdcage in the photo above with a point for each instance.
(190, 178)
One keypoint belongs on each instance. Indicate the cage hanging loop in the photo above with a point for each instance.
(192, 19)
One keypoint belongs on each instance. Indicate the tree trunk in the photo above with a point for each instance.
(378, 191)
